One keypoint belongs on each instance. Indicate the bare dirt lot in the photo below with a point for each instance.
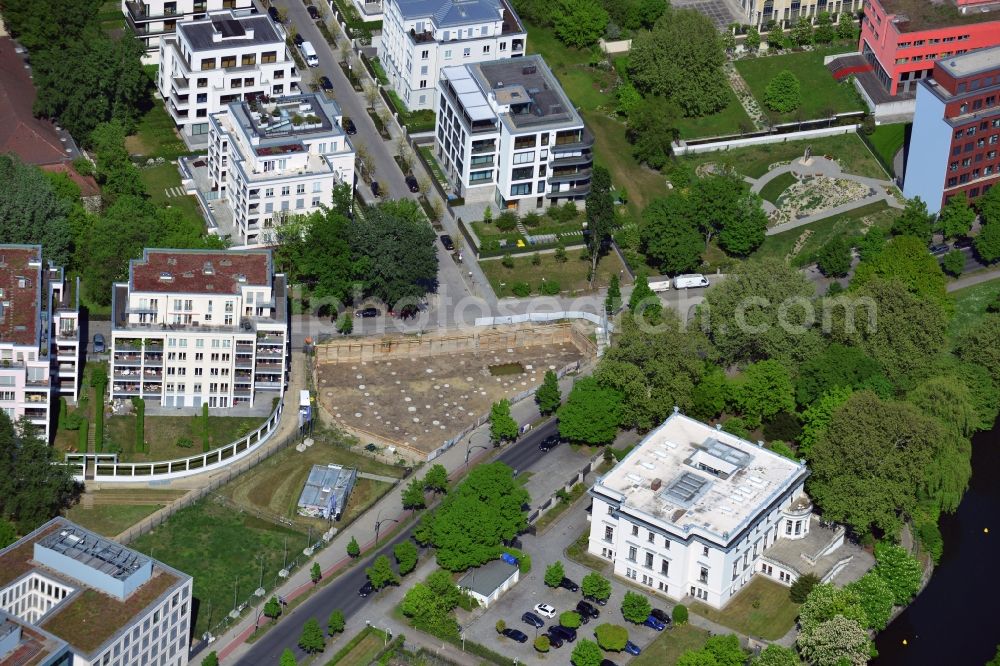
(421, 402)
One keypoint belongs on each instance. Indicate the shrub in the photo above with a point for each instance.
(554, 574)
(521, 289)
(536, 259)
(501, 625)
(560, 254)
(736, 426)
(185, 442)
(611, 637)
(635, 607)
(74, 420)
(549, 288)
(680, 614)
(570, 619)
(531, 220)
(542, 643)
(953, 263)
(802, 586)
(488, 215)
(81, 440)
(507, 221)
(783, 92)
(507, 261)
(782, 449)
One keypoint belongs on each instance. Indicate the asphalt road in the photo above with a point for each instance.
(342, 593)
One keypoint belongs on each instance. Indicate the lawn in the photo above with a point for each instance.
(159, 179)
(223, 550)
(822, 96)
(771, 620)
(571, 275)
(156, 135)
(577, 551)
(588, 87)
(362, 652)
(670, 645)
(779, 184)
(163, 432)
(613, 151)
(848, 225)
(888, 139)
(755, 161)
(111, 16)
(730, 120)
(970, 305)
(111, 519)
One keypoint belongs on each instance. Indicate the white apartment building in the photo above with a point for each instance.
(39, 337)
(277, 158)
(419, 37)
(691, 511)
(368, 10)
(152, 20)
(507, 133)
(134, 609)
(223, 58)
(200, 327)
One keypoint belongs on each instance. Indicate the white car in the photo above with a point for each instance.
(545, 610)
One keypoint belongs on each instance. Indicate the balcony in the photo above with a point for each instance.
(478, 148)
(573, 140)
(127, 359)
(154, 389)
(270, 339)
(242, 393)
(425, 37)
(139, 11)
(578, 191)
(155, 360)
(124, 389)
(585, 159)
(38, 381)
(569, 176)
(244, 363)
(34, 415)
(181, 83)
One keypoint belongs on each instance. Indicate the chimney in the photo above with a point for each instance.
(655, 485)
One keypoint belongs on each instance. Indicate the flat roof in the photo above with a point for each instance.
(974, 62)
(20, 300)
(33, 645)
(486, 579)
(927, 15)
(94, 551)
(451, 12)
(199, 271)
(689, 475)
(326, 482)
(234, 30)
(283, 119)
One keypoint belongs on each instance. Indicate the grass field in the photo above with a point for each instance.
(163, 432)
(772, 619)
(754, 161)
(779, 184)
(970, 305)
(159, 179)
(111, 519)
(822, 96)
(888, 139)
(848, 224)
(587, 86)
(156, 135)
(729, 120)
(571, 274)
(670, 645)
(363, 652)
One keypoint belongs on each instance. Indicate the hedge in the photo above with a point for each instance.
(140, 423)
(205, 444)
(81, 436)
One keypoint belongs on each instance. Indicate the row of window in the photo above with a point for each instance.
(930, 56)
(213, 387)
(246, 60)
(935, 40)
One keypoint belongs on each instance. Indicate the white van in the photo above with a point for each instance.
(310, 54)
(690, 280)
(657, 284)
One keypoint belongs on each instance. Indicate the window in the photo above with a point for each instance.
(447, 53)
(651, 538)
(649, 561)
(424, 55)
(736, 573)
(523, 173)
(631, 553)
(635, 530)
(207, 63)
(788, 527)
(423, 83)
(704, 551)
(520, 190)
(300, 188)
(228, 61)
(486, 48)
(248, 60)
(609, 533)
(525, 157)
(466, 52)
(703, 576)
(269, 56)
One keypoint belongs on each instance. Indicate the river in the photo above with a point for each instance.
(955, 620)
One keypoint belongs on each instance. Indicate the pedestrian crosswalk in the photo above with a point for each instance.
(174, 192)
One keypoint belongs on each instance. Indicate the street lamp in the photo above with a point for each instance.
(469, 448)
(378, 524)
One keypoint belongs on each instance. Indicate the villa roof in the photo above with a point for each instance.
(34, 140)
(199, 271)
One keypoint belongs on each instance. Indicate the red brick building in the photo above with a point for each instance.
(955, 144)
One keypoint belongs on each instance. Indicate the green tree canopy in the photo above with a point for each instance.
(956, 217)
(503, 427)
(353, 549)
(591, 414)
(312, 639)
(611, 637)
(837, 641)
(336, 623)
(570, 619)
(635, 607)
(548, 396)
(600, 214)
(776, 655)
(900, 570)
(876, 598)
(645, 305)
(783, 92)
(818, 415)
(413, 494)
(825, 32)
(436, 479)
(837, 366)
(652, 129)
(586, 653)
(709, 396)
(914, 220)
(212, 659)
(764, 389)
(272, 608)
(579, 23)
(907, 260)
(981, 345)
(554, 574)
(670, 234)
(595, 585)
(724, 207)
(406, 555)
(287, 658)
(380, 573)
(32, 212)
(834, 258)
(827, 601)
(947, 398)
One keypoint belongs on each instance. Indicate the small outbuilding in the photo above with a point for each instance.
(485, 584)
(326, 491)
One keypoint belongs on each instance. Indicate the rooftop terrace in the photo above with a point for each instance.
(222, 30)
(927, 15)
(20, 293)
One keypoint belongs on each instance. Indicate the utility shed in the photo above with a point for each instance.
(326, 491)
(485, 584)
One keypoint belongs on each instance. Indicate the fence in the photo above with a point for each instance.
(682, 148)
(166, 470)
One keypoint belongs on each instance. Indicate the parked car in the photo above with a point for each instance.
(366, 589)
(653, 623)
(273, 13)
(690, 280)
(592, 599)
(549, 443)
(608, 662)
(516, 634)
(565, 633)
(567, 584)
(661, 615)
(313, 12)
(939, 248)
(367, 313)
(447, 242)
(533, 620)
(348, 125)
(411, 182)
(99, 347)
(632, 648)
(555, 640)
(963, 243)
(586, 610)
(325, 83)
(298, 39)
(376, 190)
(545, 610)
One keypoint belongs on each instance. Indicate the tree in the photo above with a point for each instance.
(776, 655)
(436, 479)
(764, 390)
(8, 533)
(826, 601)
(953, 262)
(595, 585)
(724, 207)
(914, 220)
(652, 129)
(871, 243)
(708, 398)
(837, 366)
(312, 639)
(825, 32)
(670, 235)
(611, 637)
(956, 217)
(591, 414)
(600, 214)
(287, 658)
(644, 305)
(876, 599)
(726, 650)
(752, 41)
(272, 608)
(835, 642)
(635, 607)
(613, 300)
(834, 258)
(315, 573)
(580, 23)
(542, 643)
(845, 26)
(353, 549)
(681, 59)
(554, 574)
(988, 206)
(503, 427)
(783, 92)
(570, 619)
(679, 615)
(817, 416)
(900, 570)
(31, 212)
(413, 495)
(500, 626)
(380, 573)
(947, 398)
(212, 659)
(586, 653)
(802, 586)
(628, 98)
(981, 345)
(336, 623)
(987, 242)
(802, 31)
(406, 555)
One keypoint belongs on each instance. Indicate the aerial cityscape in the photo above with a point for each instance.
(499, 332)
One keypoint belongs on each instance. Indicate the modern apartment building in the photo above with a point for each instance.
(693, 511)
(787, 12)
(152, 20)
(955, 142)
(419, 37)
(507, 133)
(220, 59)
(274, 158)
(39, 336)
(193, 328)
(69, 596)
(368, 10)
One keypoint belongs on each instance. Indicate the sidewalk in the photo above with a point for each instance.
(333, 558)
(973, 279)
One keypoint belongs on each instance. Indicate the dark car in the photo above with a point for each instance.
(632, 648)
(567, 584)
(411, 182)
(348, 126)
(661, 615)
(447, 242)
(313, 12)
(653, 623)
(298, 39)
(325, 83)
(366, 589)
(367, 313)
(533, 620)
(963, 243)
(565, 633)
(549, 443)
(376, 190)
(555, 640)
(586, 610)
(939, 249)
(608, 662)
(599, 602)
(99, 347)
(273, 13)
(516, 634)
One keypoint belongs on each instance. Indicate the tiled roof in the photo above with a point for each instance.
(19, 307)
(200, 272)
(32, 139)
